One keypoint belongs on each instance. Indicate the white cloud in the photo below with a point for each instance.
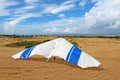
(24, 10)
(104, 12)
(61, 30)
(11, 24)
(52, 30)
(94, 0)
(27, 7)
(3, 12)
(82, 3)
(4, 4)
(72, 30)
(21, 14)
(67, 30)
(54, 9)
(62, 16)
(69, 2)
(103, 16)
(31, 1)
(65, 22)
(71, 25)
(116, 25)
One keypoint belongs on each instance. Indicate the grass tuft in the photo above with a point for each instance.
(25, 44)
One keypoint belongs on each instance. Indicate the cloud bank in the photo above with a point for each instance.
(102, 17)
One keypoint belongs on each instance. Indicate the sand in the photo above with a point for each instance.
(105, 50)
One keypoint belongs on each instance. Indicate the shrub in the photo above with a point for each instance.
(74, 43)
(25, 44)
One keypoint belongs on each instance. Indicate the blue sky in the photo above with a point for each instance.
(59, 17)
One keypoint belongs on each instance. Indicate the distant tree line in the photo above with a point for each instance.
(17, 36)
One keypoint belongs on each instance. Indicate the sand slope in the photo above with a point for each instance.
(105, 50)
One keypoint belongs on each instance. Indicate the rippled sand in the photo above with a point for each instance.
(105, 50)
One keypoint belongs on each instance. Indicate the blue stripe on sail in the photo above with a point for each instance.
(74, 55)
(27, 53)
(69, 53)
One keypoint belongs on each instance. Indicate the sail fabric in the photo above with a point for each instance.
(61, 48)
(43, 49)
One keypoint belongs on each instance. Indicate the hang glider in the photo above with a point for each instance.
(61, 48)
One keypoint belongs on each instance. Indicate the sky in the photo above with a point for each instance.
(39, 17)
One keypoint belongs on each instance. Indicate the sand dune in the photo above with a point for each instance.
(105, 50)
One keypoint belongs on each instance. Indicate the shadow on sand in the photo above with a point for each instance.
(60, 61)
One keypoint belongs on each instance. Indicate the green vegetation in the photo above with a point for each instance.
(74, 36)
(28, 44)
(25, 44)
(74, 43)
(17, 36)
(117, 37)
